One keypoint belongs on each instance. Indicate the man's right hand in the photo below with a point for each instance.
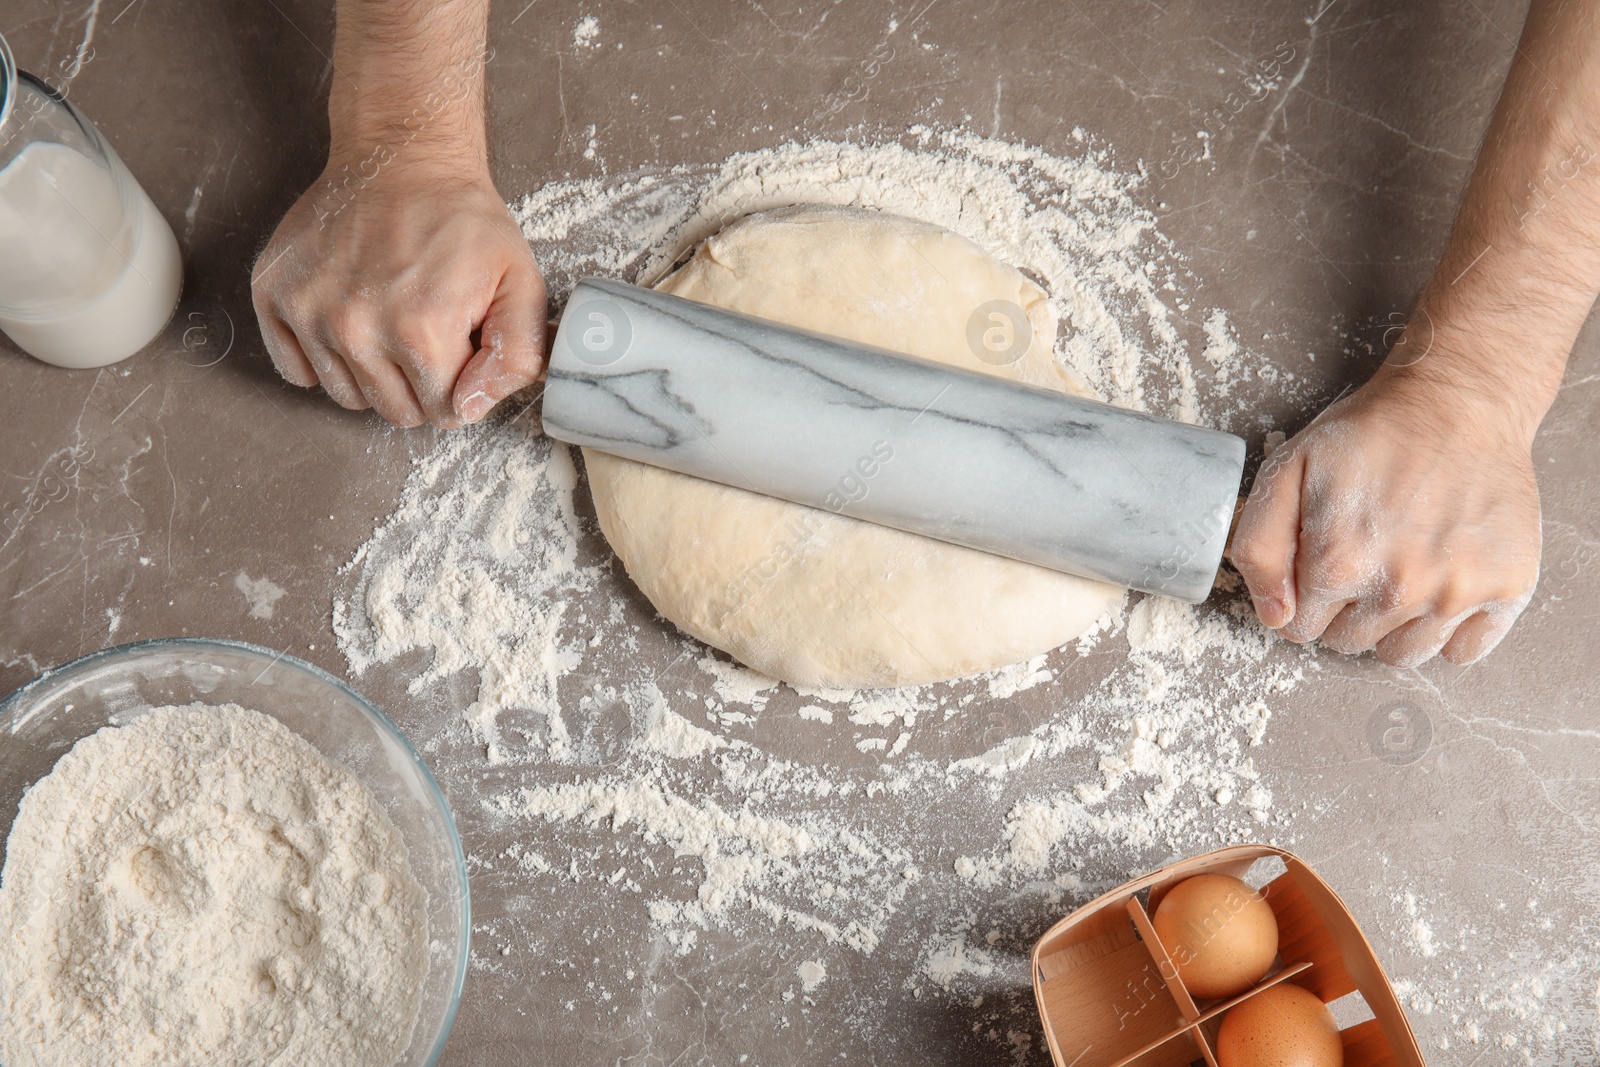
(1405, 517)
(412, 292)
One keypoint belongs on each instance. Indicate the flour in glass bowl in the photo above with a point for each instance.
(201, 885)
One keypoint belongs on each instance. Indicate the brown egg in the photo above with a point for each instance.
(1284, 1026)
(1220, 933)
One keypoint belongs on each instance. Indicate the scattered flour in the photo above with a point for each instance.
(493, 603)
(812, 974)
(201, 885)
(954, 957)
(1523, 1009)
(1074, 224)
(676, 737)
(798, 864)
(1019, 677)
(1421, 929)
(261, 594)
(734, 684)
(586, 33)
(1222, 350)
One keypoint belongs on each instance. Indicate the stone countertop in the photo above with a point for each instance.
(1313, 221)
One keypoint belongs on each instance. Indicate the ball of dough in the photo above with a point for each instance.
(808, 596)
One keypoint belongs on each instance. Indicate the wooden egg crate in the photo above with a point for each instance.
(1110, 995)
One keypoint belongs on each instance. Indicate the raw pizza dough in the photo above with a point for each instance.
(804, 595)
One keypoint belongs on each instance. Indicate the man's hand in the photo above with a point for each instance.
(1406, 518)
(399, 281)
(412, 293)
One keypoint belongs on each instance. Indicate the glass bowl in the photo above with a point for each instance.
(41, 721)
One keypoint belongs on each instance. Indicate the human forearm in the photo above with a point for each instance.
(1406, 516)
(1522, 267)
(408, 80)
(400, 281)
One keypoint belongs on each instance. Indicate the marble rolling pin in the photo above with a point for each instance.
(1018, 471)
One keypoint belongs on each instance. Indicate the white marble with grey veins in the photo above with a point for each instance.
(1043, 477)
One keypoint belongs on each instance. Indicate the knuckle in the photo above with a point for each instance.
(1369, 613)
(1268, 487)
(1250, 554)
(536, 283)
(384, 405)
(1522, 580)
(1457, 599)
(1335, 570)
(524, 270)
(433, 394)
(326, 364)
(1405, 584)
(1341, 636)
(416, 334)
(1309, 622)
(1274, 465)
(351, 325)
(403, 412)
(520, 360)
(1473, 643)
(262, 278)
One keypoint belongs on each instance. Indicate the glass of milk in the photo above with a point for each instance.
(89, 270)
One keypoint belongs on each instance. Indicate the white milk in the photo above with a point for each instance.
(81, 284)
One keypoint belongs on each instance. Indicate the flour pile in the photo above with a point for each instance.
(201, 885)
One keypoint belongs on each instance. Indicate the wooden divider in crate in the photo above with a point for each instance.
(1110, 995)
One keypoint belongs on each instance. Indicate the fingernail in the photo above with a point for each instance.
(1270, 610)
(475, 406)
